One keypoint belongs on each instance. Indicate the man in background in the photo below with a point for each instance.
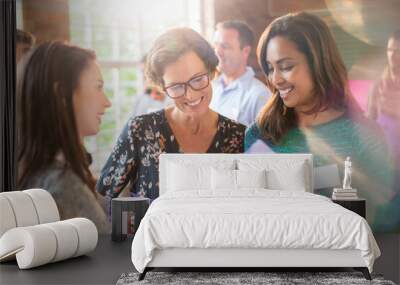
(24, 42)
(237, 94)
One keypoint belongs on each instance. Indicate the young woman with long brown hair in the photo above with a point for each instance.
(60, 100)
(312, 111)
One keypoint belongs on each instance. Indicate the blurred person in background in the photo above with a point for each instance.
(238, 95)
(384, 108)
(24, 42)
(384, 98)
(57, 108)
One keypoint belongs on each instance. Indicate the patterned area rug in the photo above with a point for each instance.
(230, 278)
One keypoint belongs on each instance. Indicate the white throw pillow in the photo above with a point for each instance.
(185, 174)
(227, 179)
(187, 177)
(251, 178)
(223, 179)
(281, 174)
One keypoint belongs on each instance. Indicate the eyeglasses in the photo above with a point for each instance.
(196, 83)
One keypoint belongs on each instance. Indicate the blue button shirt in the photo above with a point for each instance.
(242, 99)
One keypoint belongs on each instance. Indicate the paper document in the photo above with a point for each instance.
(259, 147)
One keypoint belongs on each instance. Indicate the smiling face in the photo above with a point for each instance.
(89, 100)
(188, 67)
(289, 72)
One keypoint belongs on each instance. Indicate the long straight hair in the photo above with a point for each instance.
(46, 124)
(313, 38)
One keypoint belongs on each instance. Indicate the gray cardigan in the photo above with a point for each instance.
(72, 196)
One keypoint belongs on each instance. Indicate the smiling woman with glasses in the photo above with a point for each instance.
(181, 63)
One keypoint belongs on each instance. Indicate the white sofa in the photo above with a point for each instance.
(31, 231)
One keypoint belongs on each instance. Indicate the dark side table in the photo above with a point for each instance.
(126, 214)
(357, 205)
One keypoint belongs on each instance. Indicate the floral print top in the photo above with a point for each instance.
(134, 159)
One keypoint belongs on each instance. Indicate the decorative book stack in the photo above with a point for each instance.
(344, 194)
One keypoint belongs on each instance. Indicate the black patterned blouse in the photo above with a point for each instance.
(134, 158)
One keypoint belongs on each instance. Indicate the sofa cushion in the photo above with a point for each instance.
(40, 244)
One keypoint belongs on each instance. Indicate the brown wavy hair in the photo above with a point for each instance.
(46, 125)
(313, 38)
(173, 44)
